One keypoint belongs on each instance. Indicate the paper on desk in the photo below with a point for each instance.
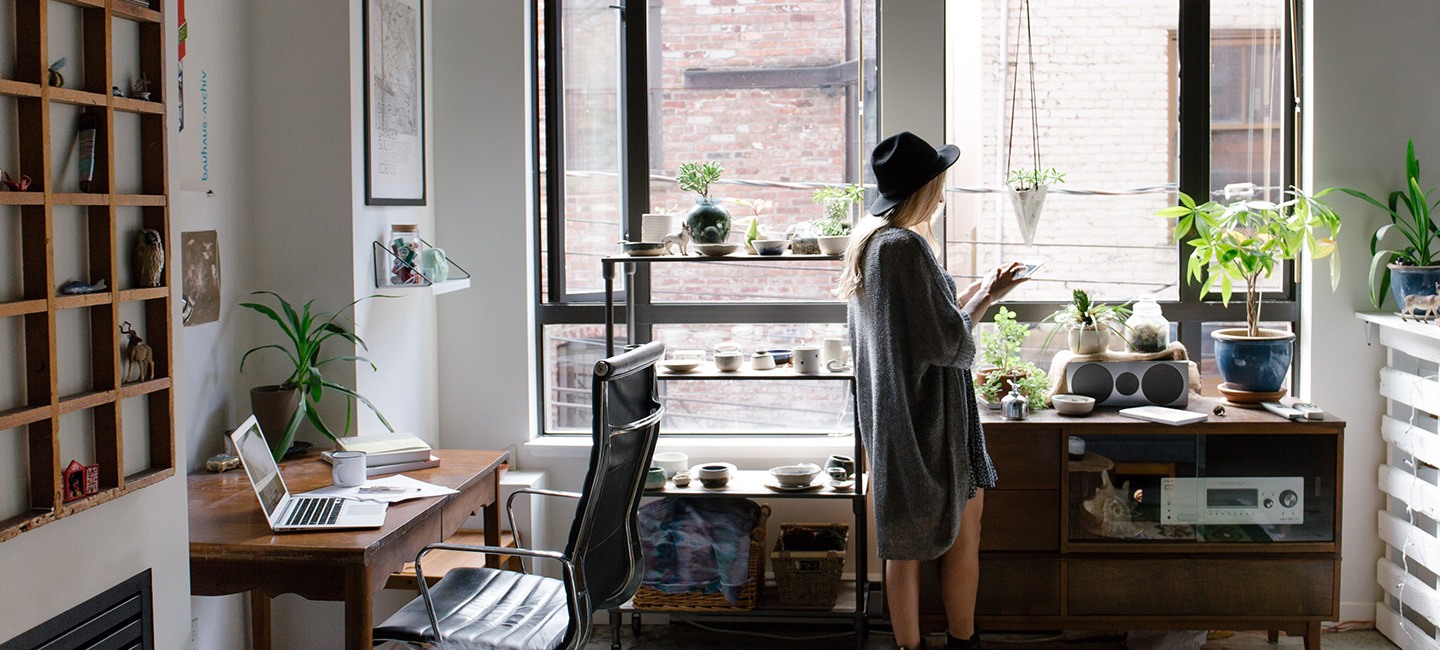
(396, 481)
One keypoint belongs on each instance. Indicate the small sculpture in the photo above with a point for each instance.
(115, 90)
(138, 355)
(149, 259)
(80, 481)
(79, 287)
(14, 185)
(1426, 306)
(1111, 511)
(680, 239)
(56, 79)
(140, 88)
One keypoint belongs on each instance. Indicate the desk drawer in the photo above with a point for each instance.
(1025, 460)
(1018, 587)
(1202, 587)
(1020, 520)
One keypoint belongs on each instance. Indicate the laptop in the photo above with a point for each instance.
(286, 513)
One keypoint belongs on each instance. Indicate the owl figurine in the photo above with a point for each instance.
(149, 259)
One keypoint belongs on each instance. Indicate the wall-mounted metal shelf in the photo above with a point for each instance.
(385, 260)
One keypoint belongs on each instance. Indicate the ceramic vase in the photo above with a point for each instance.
(1089, 340)
(1258, 364)
(1407, 281)
(708, 222)
(1028, 203)
(273, 407)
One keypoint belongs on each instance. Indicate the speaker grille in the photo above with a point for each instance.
(1164, 384)
(1092, 380)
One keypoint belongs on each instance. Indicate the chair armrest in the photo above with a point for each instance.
(567, 567)
(510, 511)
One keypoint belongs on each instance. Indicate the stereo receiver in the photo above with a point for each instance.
(1233, 500)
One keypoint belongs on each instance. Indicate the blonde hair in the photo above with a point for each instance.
(913, 214)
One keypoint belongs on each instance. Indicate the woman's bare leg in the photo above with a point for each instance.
(960, 571)
(902, 594)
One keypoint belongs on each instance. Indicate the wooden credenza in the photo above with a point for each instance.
(1048, 563)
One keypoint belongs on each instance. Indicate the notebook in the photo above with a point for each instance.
(286, 513)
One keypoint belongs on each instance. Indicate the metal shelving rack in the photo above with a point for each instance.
(750, 484)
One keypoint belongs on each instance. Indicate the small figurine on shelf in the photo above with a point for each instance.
(115, 90)
(80, 481)
(140, 88)
(680, 239)
(149, 259)
(56, 79)
(138, 356)
(14, 185)
(80, 287)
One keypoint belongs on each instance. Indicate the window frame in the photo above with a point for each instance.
(1191, 149)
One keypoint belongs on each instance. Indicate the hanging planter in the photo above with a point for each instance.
(1027, 186)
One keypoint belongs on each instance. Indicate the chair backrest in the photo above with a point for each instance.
(604, 538)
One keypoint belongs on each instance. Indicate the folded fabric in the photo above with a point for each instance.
(697, 545)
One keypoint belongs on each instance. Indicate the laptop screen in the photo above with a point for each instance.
(260, 465)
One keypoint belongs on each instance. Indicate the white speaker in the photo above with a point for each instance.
(1131, 383)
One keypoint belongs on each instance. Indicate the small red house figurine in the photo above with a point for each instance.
(80, 481)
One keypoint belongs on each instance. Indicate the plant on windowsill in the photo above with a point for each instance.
(1028, 188)
(753, 231)
(1089, 324)
(1004, 367)
(1243, 242)
(708, 222)
(1415, 267)
(834, 228)
(280, 408)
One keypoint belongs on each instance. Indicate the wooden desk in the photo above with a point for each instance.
(232, 549)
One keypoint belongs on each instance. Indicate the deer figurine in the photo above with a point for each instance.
(138, 356)
(680, 239)
(1422, 308)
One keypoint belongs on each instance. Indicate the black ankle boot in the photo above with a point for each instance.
(918, 647)
(972, 643)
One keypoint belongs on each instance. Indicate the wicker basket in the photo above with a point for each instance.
(649, 598)
(808, 579)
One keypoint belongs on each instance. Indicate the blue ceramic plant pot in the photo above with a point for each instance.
(1412, 281)
(1256, 365)
(708, 222)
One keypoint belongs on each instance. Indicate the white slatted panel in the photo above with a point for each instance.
(1417, 596)
(1421, 546)
(1401, 632)
(1413, 441)
(1419, 494)
(1411, 390)
(1411, 342)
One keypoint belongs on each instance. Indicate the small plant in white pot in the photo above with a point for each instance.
(1028, 188)
(1242, 243)
(1088, 324)
(833, 231)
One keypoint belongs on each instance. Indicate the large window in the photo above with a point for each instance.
(783, 94)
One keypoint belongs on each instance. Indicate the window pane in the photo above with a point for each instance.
(592, 140)
(1105, 94)
(568, 357)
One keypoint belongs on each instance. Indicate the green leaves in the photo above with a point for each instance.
(697, 177)
(1024, 179)
(1415, 225)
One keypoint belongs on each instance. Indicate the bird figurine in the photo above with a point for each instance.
(149, 259)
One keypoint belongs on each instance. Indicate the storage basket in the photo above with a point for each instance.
(650, 598)
(809, 579)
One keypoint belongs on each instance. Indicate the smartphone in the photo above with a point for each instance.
(1029, 269)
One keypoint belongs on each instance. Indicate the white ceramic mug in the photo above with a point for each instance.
(349, 470)
(807, 359)
(833, 350)
(729, 361)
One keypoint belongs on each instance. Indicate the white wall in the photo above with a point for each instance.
(1364, 103)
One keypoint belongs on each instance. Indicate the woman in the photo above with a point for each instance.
(913, 347)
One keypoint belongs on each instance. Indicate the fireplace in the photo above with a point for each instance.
(122, 616)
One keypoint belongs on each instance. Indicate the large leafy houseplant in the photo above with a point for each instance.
(1000, 351)
(305, 334)
(1417, 230)
(1242, 242)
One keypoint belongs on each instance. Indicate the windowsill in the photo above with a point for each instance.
(766, 451)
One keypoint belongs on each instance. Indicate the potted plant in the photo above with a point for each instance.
(1243, 242)
(752, 230)
(709, 221)
(834, 228)
(1027, 195)
(280, 408)
(1414, 267)
(1088, 323)
(1004, 368)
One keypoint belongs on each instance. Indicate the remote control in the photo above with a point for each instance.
(1283, 411)
(1311, 411)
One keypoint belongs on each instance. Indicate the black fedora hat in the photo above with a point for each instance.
(904, 163)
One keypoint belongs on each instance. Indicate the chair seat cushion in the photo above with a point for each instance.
(486, 608)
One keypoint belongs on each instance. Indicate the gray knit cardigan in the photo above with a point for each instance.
(913, 349)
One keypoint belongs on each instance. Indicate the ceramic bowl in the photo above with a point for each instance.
(1073, 404)
(798, 475)
(729, 361)
(781, 357)
(833, 245)
(642, 248)
(655, 478)
(682, 479)
(716, 250)
(770, 246)
(762, 360)
(680, 365)
(712, 470)
(845, 463)
(672, 462)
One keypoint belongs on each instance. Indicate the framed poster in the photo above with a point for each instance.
(394, 103)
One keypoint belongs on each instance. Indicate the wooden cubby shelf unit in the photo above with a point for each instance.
(105, 251)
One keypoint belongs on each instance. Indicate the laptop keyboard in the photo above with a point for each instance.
(314, 511)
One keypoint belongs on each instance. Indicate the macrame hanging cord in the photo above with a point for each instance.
(1024, 15)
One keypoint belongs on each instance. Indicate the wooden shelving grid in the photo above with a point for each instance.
(106, 254)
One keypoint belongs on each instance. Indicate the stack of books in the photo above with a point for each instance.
(388, 454)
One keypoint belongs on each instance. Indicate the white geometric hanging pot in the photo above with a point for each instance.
(1028, 203)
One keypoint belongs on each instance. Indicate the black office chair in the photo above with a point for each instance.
(601, 566)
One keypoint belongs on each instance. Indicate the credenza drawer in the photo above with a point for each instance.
(1025, 460)
(1020, 520)
(1019, 587)
(1201, 587)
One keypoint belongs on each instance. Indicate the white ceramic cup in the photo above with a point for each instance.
(654, 227)
(673, 462)
(349, 469)
(762, 361)
(729, 361)
(807, 359)
(833, 350)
